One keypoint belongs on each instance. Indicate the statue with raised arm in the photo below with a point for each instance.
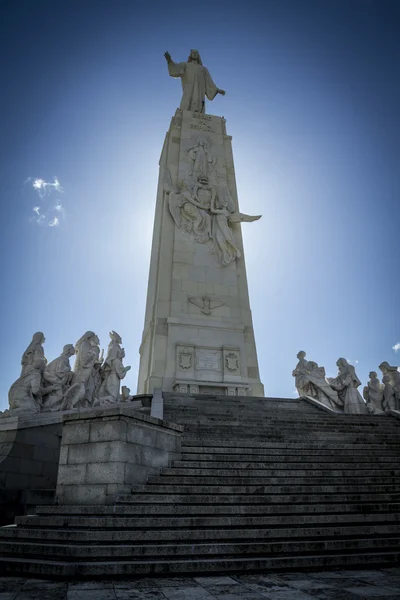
(196, 82)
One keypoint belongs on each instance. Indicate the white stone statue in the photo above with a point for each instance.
(113, 372)
(224, 244)
(311, 381)
(189, 211)
(389, 395)
(394, 374)
(33, 352)
(86, 369)
(25, 394)
(58, 373)
(202, 160)
(299, 372)
(373, 394)
(196, 82)
(346, 384)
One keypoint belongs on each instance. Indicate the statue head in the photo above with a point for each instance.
(38, 338)
(90, 337)
(115, 337)
(312, 365)
(69, 350)
(122, 353)
(342, 363)
(384, 366)
(386, 379)
(373, 375)
(194, 56)
(301, 354)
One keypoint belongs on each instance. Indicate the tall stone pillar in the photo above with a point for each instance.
(198, 334)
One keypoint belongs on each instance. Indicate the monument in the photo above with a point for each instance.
(198, 333)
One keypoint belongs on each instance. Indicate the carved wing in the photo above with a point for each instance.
(197, 301)
(216, 304)
(241, 217)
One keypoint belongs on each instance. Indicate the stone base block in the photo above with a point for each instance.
(104, 453)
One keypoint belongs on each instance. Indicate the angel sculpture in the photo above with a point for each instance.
(189, 211)
(225, 246)
(207, 215)
(205, 304)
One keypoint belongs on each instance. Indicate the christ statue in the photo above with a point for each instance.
(196, 82)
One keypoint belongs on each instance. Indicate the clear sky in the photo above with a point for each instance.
(313, 97)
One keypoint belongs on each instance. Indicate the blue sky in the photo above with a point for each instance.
(313, 95)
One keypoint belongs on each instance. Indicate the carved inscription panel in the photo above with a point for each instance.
(208, 360)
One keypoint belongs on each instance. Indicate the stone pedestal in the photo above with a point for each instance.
(29, 453)
(104, 452)
(198, 335)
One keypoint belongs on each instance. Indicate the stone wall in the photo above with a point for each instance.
(29, 454)
(104, 453)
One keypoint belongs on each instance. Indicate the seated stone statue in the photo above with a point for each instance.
(373, 394)
(59, 374)
(389, 397)
(25, 394)
(346, 384)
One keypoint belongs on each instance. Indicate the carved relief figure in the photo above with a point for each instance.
(33, 352)
(196, 82)
(25, 394)
(346, 384)
(189, 212)
(205, 216)
(202, 161)
(373, 393)
(58, 373)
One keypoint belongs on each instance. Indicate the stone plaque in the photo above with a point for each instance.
(208, 360)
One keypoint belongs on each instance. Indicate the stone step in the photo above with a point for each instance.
(94, 535)
(326, 438)
(258, 419)
(215, 453)
(195, 442)
(219, 499)
(160, 510)
(220, 461)
(117, 568)
(168, 522)
(116, 551)
(228, 480)
(269, 488)
(203, 468)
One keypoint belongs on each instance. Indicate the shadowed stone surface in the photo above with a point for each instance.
(376, 584)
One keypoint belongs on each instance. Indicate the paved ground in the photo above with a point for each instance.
(324, 585)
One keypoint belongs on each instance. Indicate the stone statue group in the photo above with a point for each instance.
(54, 386)
(341, 394)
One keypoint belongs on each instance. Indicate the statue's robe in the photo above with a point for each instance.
(196, 85)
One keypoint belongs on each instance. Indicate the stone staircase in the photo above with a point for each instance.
(262, 484)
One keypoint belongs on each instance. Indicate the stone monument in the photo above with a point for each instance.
(198, 333)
